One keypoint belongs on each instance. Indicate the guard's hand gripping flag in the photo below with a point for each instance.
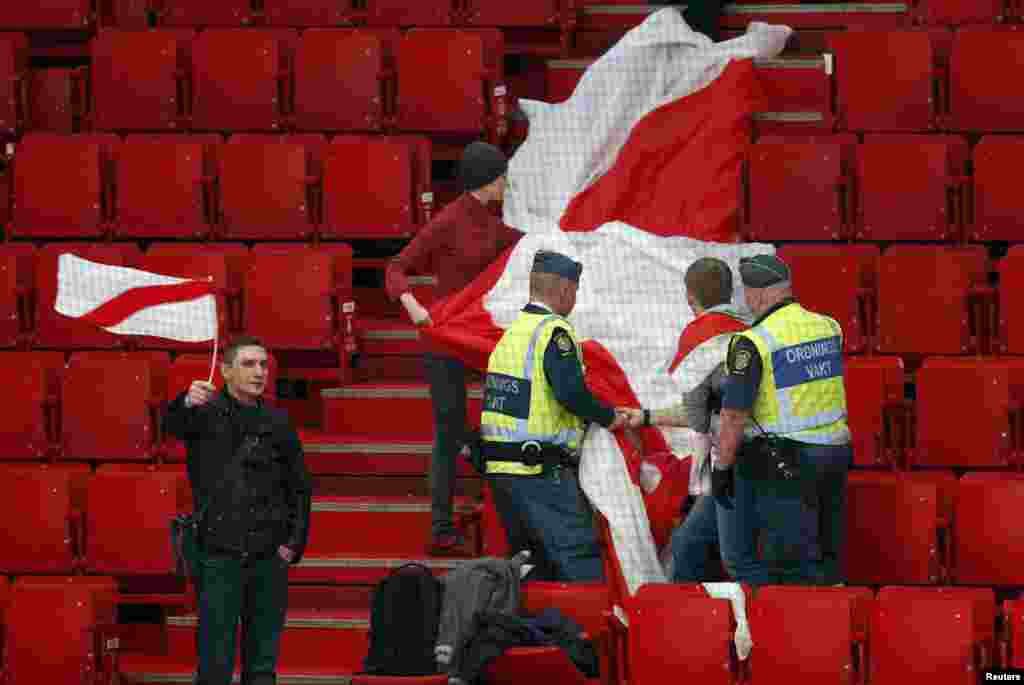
(636, 176)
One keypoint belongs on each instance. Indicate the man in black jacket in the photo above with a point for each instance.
(252, 493)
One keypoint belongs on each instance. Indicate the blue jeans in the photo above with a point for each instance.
(802, 544)
(693, 541)
(550, 516)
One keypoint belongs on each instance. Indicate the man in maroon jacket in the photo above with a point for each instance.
(457, 246)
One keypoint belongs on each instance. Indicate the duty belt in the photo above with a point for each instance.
(524, 458)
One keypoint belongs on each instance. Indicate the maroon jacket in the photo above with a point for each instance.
(456, 247)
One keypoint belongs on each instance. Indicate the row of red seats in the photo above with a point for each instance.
(828, 635)
(913, 300)
(899, 187)
(70, 14)
(296, 296)
(881, 81)
(254, 186)
(276, 80)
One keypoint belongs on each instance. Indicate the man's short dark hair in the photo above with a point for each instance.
(231, 351)
(709, 280)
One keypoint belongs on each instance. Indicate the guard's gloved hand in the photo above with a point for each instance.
(723, 486)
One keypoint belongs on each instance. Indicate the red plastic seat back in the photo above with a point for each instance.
(139, 544)
(13, 63)
(201, 13)
(874, 384)
(998, 212)
(884, 79)
(988, 539)
(60, 186)
(47, 541)
(982, 96)
(27, 426)
(47, 15)
(54, 100)
(136, 79)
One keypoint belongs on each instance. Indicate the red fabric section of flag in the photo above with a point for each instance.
(702, 329)
(113, 312)
(652, 184)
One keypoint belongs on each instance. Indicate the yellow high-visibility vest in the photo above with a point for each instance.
(519, 403)
(801, 396)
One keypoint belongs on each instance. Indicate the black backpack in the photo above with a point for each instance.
(404, 622)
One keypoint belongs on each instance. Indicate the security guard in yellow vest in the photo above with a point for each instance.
(536, 409)
(783, 425)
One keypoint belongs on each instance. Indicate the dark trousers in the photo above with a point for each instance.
(447, 379)
(702, 15)
(800, 544)
(550, 516)
(233, 590)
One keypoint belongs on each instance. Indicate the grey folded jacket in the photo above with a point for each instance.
(487, 584)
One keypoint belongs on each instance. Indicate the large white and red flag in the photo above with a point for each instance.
(129, 301)
(636, 176)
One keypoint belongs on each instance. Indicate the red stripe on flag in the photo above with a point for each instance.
(679, 172)
(112, 312)
(702, 329)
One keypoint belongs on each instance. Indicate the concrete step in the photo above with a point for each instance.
(362, 485)
(363, 568)
(388, 411)
(376, 337)
(393, 526)
(367, 454)
(838, 15)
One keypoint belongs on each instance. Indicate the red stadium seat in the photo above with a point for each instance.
(851, 272)
(55, 100)
(911, 187)
(561, 77)
(164, 187)
(13, 64)
(877, 415)
(818, 633)
(982, 97)
(52, 498)
(813, 173)
(944, 635)
(56, 331)
(944, 318)
(28, 427)
(267, 187)
(797, 94)
(355, 203)
(75, 165)
(294, 300)
(1013, 647)
(403, 13)
(893, 527)
(235, 258)
(198, 267)
(125, 14)
(363, 60)
(998, 208)
(533, 664)
(658, 614)
(16, 263)
(201, 13)
(585, 603)
(469, 99)
(46, 15)
(241, 79)
(986, 433)
(529, 13)
(310, 13)
(988, 532)
(884, 80)
(956, 12)
(138, 79)
(137, 545)
(50, 636)
(110, 405)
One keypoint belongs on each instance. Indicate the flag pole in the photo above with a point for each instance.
(216, 339)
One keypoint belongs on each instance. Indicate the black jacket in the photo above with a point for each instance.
(248, 476)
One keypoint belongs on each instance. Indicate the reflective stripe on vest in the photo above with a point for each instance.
(789, 370)
(515, 408)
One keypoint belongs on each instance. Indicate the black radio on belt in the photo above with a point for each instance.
(533, 453)
(773, 458)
